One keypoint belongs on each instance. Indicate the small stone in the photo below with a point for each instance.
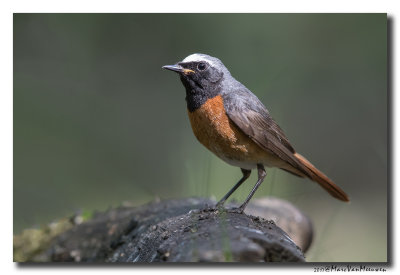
(194, 211)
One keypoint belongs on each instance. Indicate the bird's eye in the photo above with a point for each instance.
(201, 66)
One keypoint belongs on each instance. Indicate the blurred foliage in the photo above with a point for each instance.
(30, 242)
(97, 121)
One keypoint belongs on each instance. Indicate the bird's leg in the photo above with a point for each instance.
(246, 175)
(261, 176)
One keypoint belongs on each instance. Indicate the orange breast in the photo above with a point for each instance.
(220, 135)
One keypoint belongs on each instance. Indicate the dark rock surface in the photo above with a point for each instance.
(288, 217)
(185, 230)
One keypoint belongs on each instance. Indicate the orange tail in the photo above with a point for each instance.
(323, 180)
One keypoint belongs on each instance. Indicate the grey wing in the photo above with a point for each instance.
(251, 116)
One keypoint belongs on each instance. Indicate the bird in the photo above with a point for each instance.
(231, 122)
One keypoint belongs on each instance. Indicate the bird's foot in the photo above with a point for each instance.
(237, 210)
(220, 205)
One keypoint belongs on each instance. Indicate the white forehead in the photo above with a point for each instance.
(198, 58)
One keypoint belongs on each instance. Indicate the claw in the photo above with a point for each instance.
(238, 210)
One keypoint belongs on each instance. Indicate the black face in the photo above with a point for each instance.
(201, 80)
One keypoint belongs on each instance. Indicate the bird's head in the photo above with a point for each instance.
(199, 72)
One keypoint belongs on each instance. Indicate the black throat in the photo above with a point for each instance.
(197, 94)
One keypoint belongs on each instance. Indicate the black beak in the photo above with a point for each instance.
(178, 68)
(175, 68)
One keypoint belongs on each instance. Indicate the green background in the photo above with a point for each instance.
(97, 121)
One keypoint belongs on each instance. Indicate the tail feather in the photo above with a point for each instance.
(322, 180)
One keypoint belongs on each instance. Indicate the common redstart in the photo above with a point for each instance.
(232, 123)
